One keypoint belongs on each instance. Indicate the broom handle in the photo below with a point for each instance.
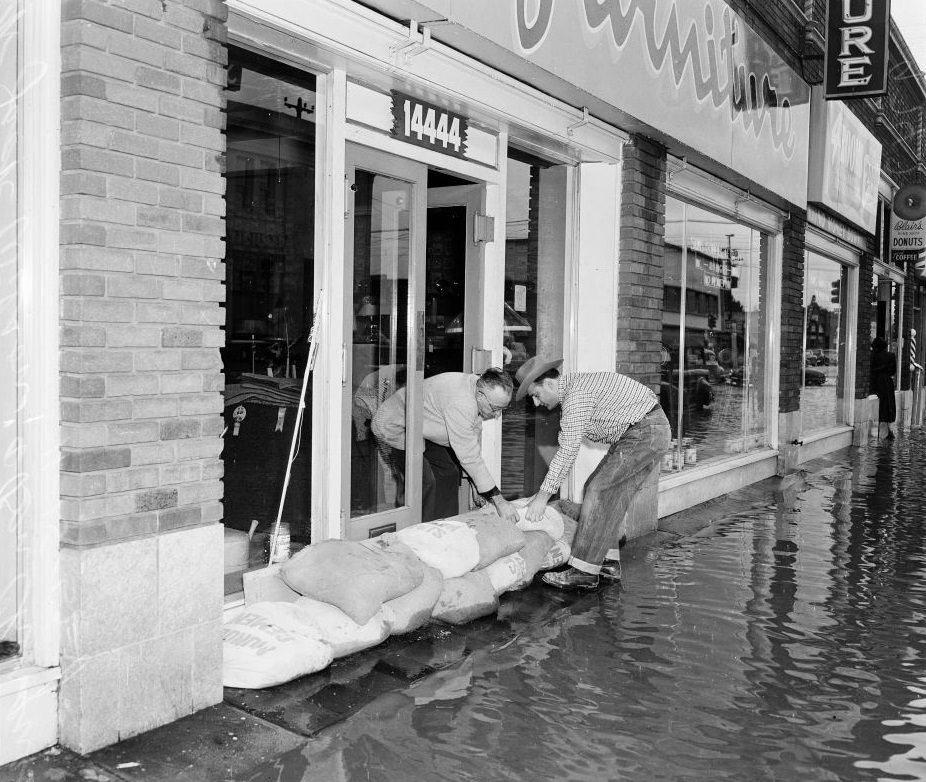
(309, 366)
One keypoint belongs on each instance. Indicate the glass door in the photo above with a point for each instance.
(384, 335)
(453, 306)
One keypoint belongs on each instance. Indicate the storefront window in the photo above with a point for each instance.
(535, 248)
(713, 333)
(886, 298)
(825, 315)
(270, 200)
(10, 566)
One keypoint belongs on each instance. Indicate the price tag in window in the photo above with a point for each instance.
(427, 125)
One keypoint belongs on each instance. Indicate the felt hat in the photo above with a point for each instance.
(530, 370)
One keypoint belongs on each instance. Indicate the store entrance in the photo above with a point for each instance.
(410, 313)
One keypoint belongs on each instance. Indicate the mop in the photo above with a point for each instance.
(266, 583)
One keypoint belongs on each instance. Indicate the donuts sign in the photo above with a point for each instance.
(908, 227)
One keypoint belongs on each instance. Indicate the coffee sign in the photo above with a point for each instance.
(856, 48)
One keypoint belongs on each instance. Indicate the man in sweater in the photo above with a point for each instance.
(605, 407)
(454, 405)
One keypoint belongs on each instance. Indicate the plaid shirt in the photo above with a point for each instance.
(600, 406)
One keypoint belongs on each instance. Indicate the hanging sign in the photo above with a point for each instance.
(908, 228)
(856, 48)
(427, 125)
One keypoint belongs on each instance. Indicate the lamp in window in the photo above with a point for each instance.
(367, 321)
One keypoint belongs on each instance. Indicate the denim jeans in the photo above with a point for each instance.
(610, 489)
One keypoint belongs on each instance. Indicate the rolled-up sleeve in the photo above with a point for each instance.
(576, 415)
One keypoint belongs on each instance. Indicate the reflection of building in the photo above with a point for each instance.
(208, 208)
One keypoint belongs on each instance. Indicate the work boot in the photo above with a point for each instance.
(570, 578)
(611, 570)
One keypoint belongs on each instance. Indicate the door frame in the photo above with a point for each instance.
(415, 174)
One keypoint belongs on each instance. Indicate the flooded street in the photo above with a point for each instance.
(785, 641)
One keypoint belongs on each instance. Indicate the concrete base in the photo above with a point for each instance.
(28, 712)
(141, 634)
(789, 445)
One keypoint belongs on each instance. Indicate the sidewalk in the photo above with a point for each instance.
(253, 727)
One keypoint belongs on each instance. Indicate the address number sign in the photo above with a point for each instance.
(427, 125)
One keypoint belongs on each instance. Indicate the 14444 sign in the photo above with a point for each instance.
(427, 125)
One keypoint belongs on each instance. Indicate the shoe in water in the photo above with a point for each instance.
(611, 570)
(570, 578)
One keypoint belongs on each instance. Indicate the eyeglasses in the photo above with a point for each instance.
(493, 407)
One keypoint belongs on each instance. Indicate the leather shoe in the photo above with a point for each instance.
(611, 570)
(570, 578)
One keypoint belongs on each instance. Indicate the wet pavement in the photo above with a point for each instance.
(775, 633)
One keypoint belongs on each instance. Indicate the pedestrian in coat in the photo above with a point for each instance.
(883, 369)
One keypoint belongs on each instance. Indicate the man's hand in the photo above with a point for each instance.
(505, 509)
(537, 507)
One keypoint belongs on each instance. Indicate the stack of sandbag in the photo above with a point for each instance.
(355, 594)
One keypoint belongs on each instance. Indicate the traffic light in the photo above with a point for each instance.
(835, 288)
(712, 321)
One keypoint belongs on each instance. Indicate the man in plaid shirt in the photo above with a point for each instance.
(605, 407)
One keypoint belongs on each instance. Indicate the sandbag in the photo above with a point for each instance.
(413, 609)
(504, 573)
(339, 631)
(448, 545)
(551, 523)
(269, 644)
(496, 537)
(466, 598)
(558, 554)
(357, 577)
(535, 549)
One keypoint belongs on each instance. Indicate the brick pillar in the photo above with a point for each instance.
(141, 281)
(640, 272)
(791, 363)
(866, 309)
(640, 280)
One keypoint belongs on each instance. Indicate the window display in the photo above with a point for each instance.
(825, 313)
(270, 199)
(713, 332)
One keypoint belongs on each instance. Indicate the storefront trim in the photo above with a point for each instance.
(821, 443)
(839, 232)
(831, 246)
(335, 33)
(687, 489)
(697, 186)
(28, 693)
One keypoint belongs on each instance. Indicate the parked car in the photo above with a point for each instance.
(813, 377)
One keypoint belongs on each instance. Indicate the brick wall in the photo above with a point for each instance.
(866, 312)
(141, 271)
(640, 272)
(142, 226)
(792, 312)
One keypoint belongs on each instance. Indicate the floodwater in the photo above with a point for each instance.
(786, 641)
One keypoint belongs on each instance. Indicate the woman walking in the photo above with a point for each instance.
(883, 369)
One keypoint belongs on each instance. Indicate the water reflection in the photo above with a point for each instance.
(785, 642)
